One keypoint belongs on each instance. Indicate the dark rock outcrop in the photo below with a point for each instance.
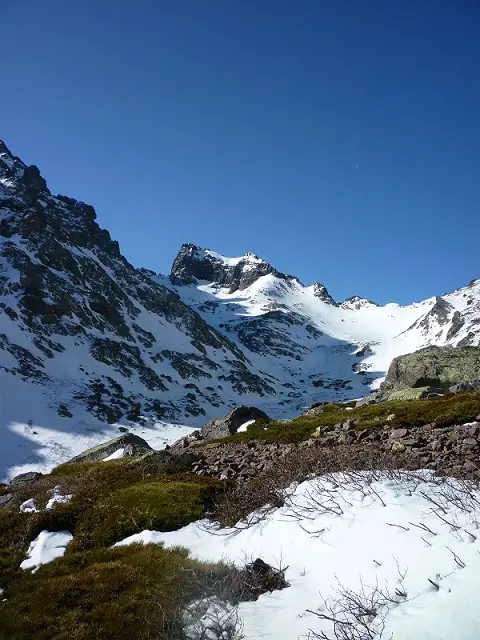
(194, 263)
(320, 291)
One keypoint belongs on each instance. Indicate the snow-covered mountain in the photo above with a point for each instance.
(308, 346)
(81, 324)
(86, 338)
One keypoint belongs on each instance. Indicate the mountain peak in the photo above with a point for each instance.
(356, 302)
(320, 291)
(194, 263)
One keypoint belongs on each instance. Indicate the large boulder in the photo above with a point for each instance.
(136, 446)
(25, 478)
(439, 367)
(229, 424)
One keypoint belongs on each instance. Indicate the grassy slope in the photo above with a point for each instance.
(444, 411)
(95, 591)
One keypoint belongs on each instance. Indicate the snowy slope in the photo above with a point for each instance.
(404, 545)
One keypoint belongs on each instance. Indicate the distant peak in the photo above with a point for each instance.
(320, 291)
(194, 264)
(356, 302)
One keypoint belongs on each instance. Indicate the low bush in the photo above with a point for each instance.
(127, 593)
(110, 501)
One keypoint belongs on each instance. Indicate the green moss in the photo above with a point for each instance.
(78, 468)
(162, 506)
(129, 593)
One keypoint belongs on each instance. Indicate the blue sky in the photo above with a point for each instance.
(340, 140)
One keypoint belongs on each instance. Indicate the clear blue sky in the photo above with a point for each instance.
(338, 139)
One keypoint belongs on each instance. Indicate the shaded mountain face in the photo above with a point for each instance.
(193, 265)
(80, 321)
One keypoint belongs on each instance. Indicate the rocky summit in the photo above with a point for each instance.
(85, 335)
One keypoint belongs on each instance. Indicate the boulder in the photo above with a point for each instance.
(439, 367)
(25, 478)
(229, 424)
(136, 447)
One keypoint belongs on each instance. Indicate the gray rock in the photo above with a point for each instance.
(228, 425)
(399, 433)
(136, 447)
(25, 478)
(439, 367)
(469, 385)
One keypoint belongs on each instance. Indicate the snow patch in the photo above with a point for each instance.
(115, 455)
(244, 426)
(46, 547)
(29, 506)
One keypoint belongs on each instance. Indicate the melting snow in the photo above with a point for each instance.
(46, 547)
(115, 455)
(244, 426)
(29, 506)
(57, 498)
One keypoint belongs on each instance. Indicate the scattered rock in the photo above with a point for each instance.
(398, 447)
(399, 433)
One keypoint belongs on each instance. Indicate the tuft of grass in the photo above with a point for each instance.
(127, 593)
(444, 411)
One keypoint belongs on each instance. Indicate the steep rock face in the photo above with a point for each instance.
(439, 367)
(194, 264)
(81, 321)
(357, 303)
